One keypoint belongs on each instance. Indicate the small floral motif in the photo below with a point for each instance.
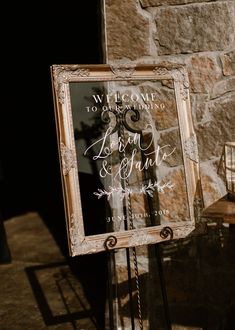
(161, 71)
(68, 158)
(146, 189)
(121, 70)
(152, 186)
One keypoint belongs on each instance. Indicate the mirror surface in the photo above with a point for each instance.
(128, 154)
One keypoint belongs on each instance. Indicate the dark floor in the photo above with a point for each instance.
(200, 281)
(40, 290)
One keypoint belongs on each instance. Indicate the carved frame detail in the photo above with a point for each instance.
(62, 75)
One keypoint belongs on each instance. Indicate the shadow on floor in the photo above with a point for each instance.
(59, 286)
(79, 292)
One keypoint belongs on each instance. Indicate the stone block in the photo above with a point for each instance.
(223, 87)
(203, 72)
(212, 186)
(127, 30)
(228, 63)
(195, 28)
(163, 110)
(172, 139)
(176, 199)
(212, 135)
(156, 3)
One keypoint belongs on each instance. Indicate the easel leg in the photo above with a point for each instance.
(163, 286)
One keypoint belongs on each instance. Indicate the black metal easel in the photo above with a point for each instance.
(121, 123)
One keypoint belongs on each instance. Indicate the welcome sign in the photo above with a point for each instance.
(128, 154)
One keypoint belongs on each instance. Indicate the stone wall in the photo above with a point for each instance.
(199, 34)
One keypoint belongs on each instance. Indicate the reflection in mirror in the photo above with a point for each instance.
(88, 128)
(129, 155)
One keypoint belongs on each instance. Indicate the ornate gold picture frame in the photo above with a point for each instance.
(128, 154)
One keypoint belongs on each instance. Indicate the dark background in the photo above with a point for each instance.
(35, 38)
